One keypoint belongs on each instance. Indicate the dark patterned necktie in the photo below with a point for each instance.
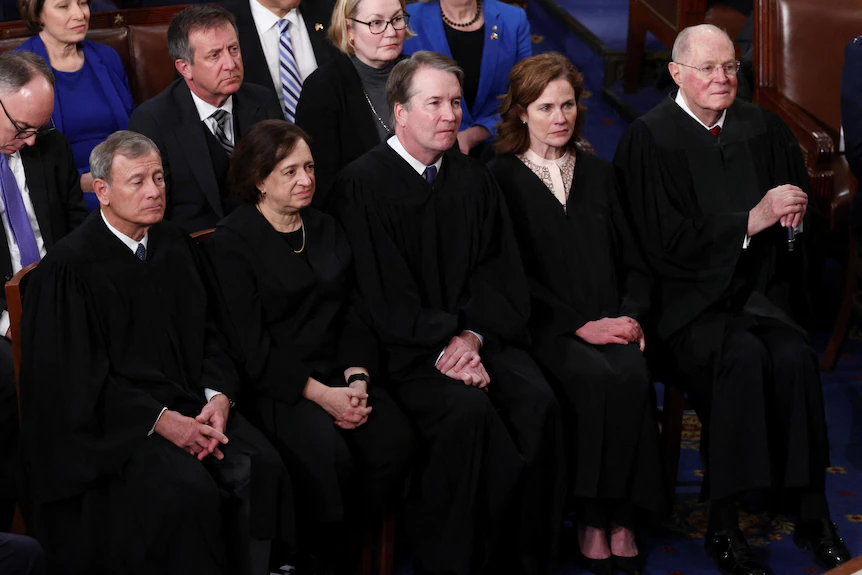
(220, 116)
(141, 252)
(430, 174)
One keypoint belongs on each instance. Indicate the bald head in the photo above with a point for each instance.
(693, 35)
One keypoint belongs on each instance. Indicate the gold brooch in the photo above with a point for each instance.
(318, 27)
(494, 36)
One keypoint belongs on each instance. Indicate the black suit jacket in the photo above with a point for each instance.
(194, 200)
(334, 112)
(315, 13)
(55, 190)
(851, 119)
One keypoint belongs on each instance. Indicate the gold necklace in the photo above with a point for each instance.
(301, 226)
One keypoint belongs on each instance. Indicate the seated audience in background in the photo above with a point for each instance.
(486, 38)
(718, 193)
(200, 117)
(343, 104)
(124, 376)
(590, 292)
(309, 360)
(851, 121)
(92, 99)
(284, 41)
(41, 203)
(439, 274)
(21, 555)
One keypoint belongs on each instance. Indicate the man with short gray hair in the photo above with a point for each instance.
(136, 462)
(198, 120)
(41, 202)
(439, 272)
(718, 193)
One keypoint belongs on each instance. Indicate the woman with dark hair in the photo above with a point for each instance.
(589, 292)
(308, 359)
(92, 99)
(343, 103)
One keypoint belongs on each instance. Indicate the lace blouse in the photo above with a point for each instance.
(556, 174)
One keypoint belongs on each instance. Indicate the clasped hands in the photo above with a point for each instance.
(348, 406)
(461, 360)
(202, 435)
(785, 204)
(622, 330)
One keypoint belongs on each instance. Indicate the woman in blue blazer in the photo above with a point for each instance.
(91, 93)
(486, 38)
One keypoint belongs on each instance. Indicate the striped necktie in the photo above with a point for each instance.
(220, 116)
(291, 83)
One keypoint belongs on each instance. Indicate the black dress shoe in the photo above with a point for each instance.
(630, 565)
(598, 566)
(731, 554)
(821, 537)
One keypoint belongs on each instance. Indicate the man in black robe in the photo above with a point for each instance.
(717, 191)
(136, 464)
(438, 270)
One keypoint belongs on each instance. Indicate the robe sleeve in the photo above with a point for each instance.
(271, 368)
(357, 345)
(81, 421)
(384, 280)
(682, 243)
(635, 277)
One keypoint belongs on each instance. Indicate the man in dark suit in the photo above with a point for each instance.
(201, 116)
(41, 202)
(264, 25)
(851, 120)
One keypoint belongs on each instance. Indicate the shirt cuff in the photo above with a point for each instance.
(161, 413)
(4, 322)
(746, 241)
(211, 393)
(478, 336)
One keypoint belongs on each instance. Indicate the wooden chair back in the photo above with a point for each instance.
(15, 289)
(202, 236)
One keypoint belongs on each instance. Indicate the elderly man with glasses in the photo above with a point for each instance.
(41, 202)
(718, 192)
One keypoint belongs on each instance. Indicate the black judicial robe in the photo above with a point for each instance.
(432, 261)
(689, 193)
(583, 264)
(108, 341)
(294, 319)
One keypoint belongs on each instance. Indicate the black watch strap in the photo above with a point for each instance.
(358, 377)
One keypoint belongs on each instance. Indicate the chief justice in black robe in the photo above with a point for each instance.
(285, 271)
(134, 461)
(715, 187)
(590, 291)
(436, 263)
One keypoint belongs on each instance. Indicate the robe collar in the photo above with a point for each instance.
(682, 104)
(396, 145)
(127, 241)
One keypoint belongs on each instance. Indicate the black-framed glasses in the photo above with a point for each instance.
(23, 134)
(379, 26)
(710, 70)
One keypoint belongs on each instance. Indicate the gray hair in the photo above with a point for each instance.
(19, 68)
(130, 144)
(399, 86)
(682, 44)
(192, 19)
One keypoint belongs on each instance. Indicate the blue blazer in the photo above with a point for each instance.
(499, 54)
(112, 79)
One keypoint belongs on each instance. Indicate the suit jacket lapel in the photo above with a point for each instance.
(256, 68)
(190, 137)
(316, 15)
(37, 184)
(246, 113)
(490, 50)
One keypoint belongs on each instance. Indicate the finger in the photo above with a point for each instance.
(642, 342)
(484, 373)
(476, 360)
(464, 361)
(218, 453)
(355, 401)
(210, 431)
(615, 339)
(450, 359)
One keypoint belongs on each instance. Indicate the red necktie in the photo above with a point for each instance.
(715, 130)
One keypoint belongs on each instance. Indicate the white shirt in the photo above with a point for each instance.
(205, 110)
(17, 167)
(133, 247)
(420, 168)
(268, 31)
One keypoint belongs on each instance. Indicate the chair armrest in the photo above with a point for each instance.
(817, 145)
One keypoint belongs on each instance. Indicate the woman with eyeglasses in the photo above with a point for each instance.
(92, 99)
(343, 103)
(486, 38)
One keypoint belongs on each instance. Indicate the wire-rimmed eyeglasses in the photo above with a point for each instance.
(710, 70)
(379, 26)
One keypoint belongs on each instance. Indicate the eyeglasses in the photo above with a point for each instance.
(24, 134)
(379, 26)
(710, 70)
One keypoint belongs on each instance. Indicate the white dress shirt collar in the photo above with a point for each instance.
(396, 145)
(681, 103)
(205, 110)
(127, 241)
(263, 18)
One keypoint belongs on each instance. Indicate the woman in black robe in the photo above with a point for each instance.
(589, 293)
(307, 357)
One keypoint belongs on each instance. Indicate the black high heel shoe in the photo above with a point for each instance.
(630, 565)
(598, 566)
